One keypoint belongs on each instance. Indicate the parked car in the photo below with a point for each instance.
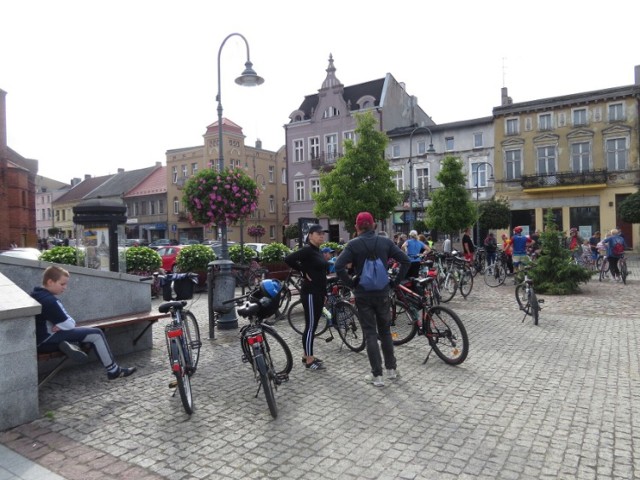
(257, 247)
(191, 241)
(169, 255)
(136, 242)
(162, 242)
(28, 253)
(217, 248)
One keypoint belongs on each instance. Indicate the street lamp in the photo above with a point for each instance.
(225, 281)
(476, 170)
(429, 150)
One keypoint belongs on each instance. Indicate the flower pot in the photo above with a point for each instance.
(278, 271)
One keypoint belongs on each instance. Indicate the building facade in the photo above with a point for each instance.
(576, 155)
(47, 191)
(147, 207)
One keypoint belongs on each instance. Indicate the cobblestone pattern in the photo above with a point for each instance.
(559, 400)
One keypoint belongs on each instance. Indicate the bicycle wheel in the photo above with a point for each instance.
(466, 283)
(622, 266)
(495, 275)
(192, 332)
(535, 306)
(403, 323)
(183, 380)
(278, 351)
(604, 268)
(267, 386)
(446, 334)
(448, 288)
(522, 298)
(345, 318)
(295, 316)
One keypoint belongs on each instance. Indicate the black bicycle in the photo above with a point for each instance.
(526, 297)
(262, 347)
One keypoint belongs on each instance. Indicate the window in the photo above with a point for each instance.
(315, 185)
(580, 157)
(513, 160)
(399, 180)
(283, 176)
(331, 112)
(350, 136)
(395, 151)
(478, 141)
(43, 214)
(272, 231)
(422, 178)
(298, 151)
(616, 112)
(194, 168)
(448, 144)
(152, 207)
(579, 117)
(544, 121)
(512, 126)
(160, 206)
(479, 175)
(174, 174)
(616, 154)
(136, 209)
(298, 188)
(143, 208)
(546, 160)
(272, 204)
(422, 147)
(185, 171)
(331, 145)
(176, 206)
(271, 173)
(314, 147)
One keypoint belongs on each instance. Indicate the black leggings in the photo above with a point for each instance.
(312, 304)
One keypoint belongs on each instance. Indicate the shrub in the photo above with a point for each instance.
(274, 253)
(63, 255)
(142, 260)
(291, 231)
(195, 258)
(235, 254)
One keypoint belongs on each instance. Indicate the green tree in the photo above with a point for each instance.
(629, 209)
(451, 209)
(495, 213)
(554, 272)
(361, 180)
(291, 231)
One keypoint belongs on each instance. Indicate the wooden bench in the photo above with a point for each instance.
(104, 324)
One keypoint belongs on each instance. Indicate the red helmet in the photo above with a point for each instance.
(517, 230)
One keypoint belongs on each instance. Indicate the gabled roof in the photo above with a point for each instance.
(151, 185)
(26, 163)
(120, 183)
(227, 126)
(83, 188)
(46, 184)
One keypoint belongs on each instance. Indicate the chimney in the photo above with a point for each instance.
(121, 170)
(637, 74)
(75, 181)
(86, 176)
(158, 164)
(259, 144)
(506, 99)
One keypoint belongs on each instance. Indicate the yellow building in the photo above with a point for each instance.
(576, 155)
(266, 167)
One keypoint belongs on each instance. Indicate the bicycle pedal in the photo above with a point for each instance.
(541, 300)
(245, 359)
(284, 377)
(173, 384)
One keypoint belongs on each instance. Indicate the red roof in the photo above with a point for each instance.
(153, 184)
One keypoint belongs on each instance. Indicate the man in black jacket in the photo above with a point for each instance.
(374, 309)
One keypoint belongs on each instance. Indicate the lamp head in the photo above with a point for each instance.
(249, 77)
(431, 149)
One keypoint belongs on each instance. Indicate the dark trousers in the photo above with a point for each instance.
(312, 304)
(375, 318)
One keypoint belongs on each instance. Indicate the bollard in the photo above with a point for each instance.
(223, 289)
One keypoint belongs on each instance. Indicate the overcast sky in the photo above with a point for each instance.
(93, 86)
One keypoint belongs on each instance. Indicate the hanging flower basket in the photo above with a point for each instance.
(220, 198)
(256, 231)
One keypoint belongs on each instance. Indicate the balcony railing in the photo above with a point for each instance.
(421, 196)
(325, 160)
(591, 177)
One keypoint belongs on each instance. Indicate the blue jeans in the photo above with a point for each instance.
(374, 313)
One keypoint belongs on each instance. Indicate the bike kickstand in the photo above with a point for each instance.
(258, 391)
(428, 354)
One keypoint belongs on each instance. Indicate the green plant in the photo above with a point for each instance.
(195, 258)
(236, 251)
(274, 253)
(333, 245)
(142, 260)
(291, 231)
(63, 255)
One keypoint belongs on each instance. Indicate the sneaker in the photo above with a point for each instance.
(121, 372)
(304, 360)
(315, 365)
(72, 351)
(392, 374)
(377, 381)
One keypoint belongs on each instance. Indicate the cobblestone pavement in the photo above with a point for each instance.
(558, 400)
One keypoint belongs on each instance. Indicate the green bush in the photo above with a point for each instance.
(63, 255)
(235, 254)
(142, 260)
(274, 253)
(195, 258)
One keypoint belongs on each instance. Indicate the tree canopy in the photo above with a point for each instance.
(629, 209)
(495, 213)
(361, 180)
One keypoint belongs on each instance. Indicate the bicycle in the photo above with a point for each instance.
(622, 267)
(415, 311)
(526, 297)
(603, 271)
(479, 261)
(290, 287)
(262, 347)
(340, 314)
(496, 273)
(249, 275)
(447, 281)
(182, 334)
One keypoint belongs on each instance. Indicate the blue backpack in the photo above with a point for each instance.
(374, 275)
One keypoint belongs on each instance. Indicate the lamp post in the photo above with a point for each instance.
(225, 281)
(476, 169)
(429, 150)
